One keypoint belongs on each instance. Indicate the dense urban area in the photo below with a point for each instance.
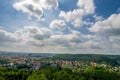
(46, 66)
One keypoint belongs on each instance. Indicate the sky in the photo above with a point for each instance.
(60, 26)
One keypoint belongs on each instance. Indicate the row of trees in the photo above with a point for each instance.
(91, 73)
(13, 74)
(57, 73)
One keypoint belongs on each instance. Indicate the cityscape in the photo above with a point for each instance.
(59, 39)
(76, 63)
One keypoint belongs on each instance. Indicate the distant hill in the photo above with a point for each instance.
(26, 54)
(113, 60)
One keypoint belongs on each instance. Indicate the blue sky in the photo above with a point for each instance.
(60, 26)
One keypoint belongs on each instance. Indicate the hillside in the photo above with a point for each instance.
(113, 60)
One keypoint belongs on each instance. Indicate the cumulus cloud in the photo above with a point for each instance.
(98, 18)
(68, 40)
(33, 32)
(77, 42)
(58, 25)
(75, 17)
(110, 26)
(33, 35)
(48, 4)
(115, 43)
(104, 33)
(35, 7)
(115, 39)
(6, 37)
(40, 39)
(109, 31)
(87, 5)
(91, 44)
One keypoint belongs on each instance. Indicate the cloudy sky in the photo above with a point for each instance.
(60, 26)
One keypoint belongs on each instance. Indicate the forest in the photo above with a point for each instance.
(113, 60)
(58, 73)
(60, 67)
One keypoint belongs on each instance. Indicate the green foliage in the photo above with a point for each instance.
(100, 73)
(13, 74)
(56, 73)
(82, 78)
(106, 59)
(3, 61)
(36, 76)
(91, 73)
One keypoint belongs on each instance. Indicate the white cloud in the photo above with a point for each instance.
(109, 30)
(6, 37)
(31, 7)
(48, 4)
(33, 37)
(57, 37)
(66, 40)
(29, 38)
(110, 26)
(58, 25)
(115, 42)
(91, 45)
(41, 38)
(75, 17)
(98, 18)
(115, 39)
(87, 5)
(35, 7)
(33, 32)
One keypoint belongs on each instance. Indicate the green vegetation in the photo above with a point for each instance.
(113, 60)
(59, 67)
(3, 61)
(13, 74)
(57, 73)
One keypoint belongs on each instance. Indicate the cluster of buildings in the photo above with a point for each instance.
(20, 62)
(35, 63)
